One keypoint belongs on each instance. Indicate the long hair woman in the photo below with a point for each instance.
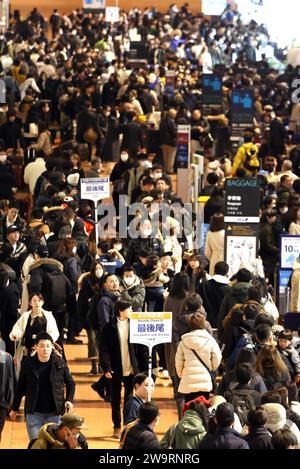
(175, 302)
(214, 246)
(30, 324)
(89, 285)
(271, 367)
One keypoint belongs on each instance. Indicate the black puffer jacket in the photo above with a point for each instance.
(28, 384)
(38, 283)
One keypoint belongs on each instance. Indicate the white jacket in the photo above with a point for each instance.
(194, 376)
(214, 249)
(33, 171)
(19, 328)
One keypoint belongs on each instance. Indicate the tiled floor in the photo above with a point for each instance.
(96, 412)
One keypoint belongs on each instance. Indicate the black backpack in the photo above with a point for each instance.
(242, 401)
(56, 289)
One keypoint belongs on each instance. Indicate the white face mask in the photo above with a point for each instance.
(156, 176)
(146, 232)
(124, 157)
(146, 164)
(118, 247)
(74, 250)
(284, 210)
(7, 283)
(98, 273)
(129, 281)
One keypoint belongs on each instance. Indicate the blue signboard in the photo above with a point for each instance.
(212, 89)
(242, 106)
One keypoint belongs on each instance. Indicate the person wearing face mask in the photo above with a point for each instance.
(134, 288)
(67, 255)
(6, 174)
(89, 284)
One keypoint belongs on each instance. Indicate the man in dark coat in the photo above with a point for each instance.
(168, 140)
(120, 360)
(42, 380)
(214, 291)
(87, 119)
(225, 437)
(7, 385)
(9, 303)
(132, 136)
(268, 248)
(238, 295)
(11, 132)
(141, 435)
(7, 178)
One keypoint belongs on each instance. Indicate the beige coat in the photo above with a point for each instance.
(295, 291)
(214, 249)
(194, 376)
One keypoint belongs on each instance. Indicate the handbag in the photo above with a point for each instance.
(211, 374)
(90, 136)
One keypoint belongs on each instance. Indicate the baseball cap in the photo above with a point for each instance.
(42, 251)
(72, 420)
(12, 229)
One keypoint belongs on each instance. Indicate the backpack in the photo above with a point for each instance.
(33, 234)
(242, 401)
(56, 289)
(252, 162)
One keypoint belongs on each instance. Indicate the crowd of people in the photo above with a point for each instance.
(75, 102)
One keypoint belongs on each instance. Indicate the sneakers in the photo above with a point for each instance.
(116, 433)
(165, 374)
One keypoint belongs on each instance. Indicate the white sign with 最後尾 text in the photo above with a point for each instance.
(95, 188)
(150, 328)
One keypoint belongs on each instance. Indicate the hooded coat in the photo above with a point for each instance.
(188, 432)
(194, 376)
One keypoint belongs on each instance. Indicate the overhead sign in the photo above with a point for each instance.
(93, 4)
(213, 7)
(242, 200)
(95, 188)
(150, 328)
(289, 250)
(212, 89)
(112, 14)
(183, 146)
(242, 106)
(241, 246)
(137, 51)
